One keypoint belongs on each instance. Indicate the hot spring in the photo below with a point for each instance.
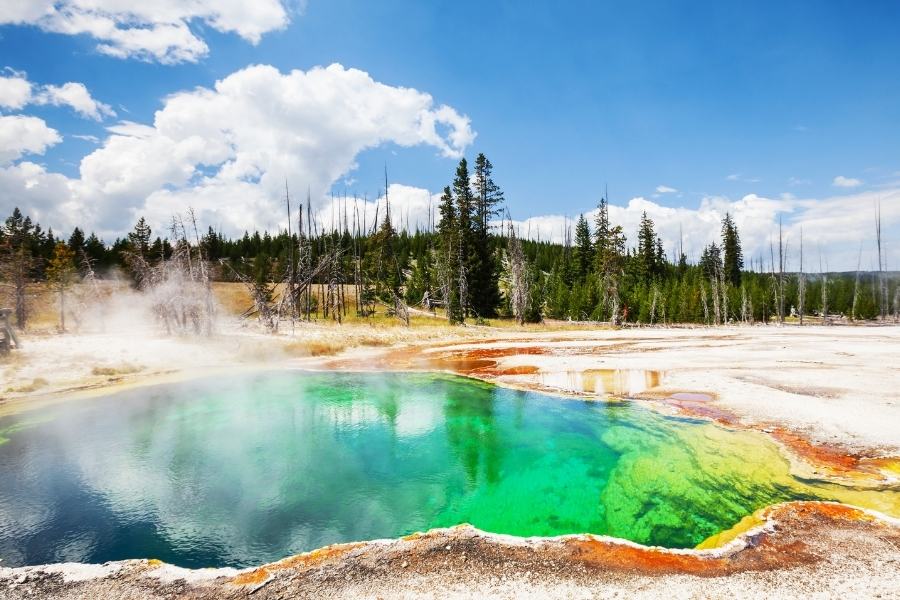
(247, 469)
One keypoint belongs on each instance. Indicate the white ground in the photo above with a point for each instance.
(837, 385)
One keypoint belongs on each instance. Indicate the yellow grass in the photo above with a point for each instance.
(234, 299)
(36, 384)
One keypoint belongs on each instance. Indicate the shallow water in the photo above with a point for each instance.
(248, 469)
(601, 381)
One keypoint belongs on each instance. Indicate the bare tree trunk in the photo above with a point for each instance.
(824, 291)
(801, 282)
(62, 309)
(780, 274)
(705, 303)
(717, 308)
(518, 277)
(853, 313)
(882, 288)
(744, 304)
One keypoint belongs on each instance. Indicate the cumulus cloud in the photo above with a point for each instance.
(163, 30)
(77, 96)
(20, 135)
(46, 197)
(846, 182)
(834, 225)
(16, 92)
(411, 208)
(226, 151)
(664, 189)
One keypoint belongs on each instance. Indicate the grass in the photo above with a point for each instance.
(125, 369)
(234, 298)
(36, 384)
(43, 302)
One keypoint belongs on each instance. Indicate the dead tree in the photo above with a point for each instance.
(746, 310)
(705, 302)
(8, 337)
(882, 287)
(853, 313)
(781, 257)
(179, 288)
(801, 281)
(715, 280)
(16, 263)
(518, 277)
(897, 304)
(776, 288)
(824, 289)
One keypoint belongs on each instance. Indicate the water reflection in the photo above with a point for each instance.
(469, 420)
(247, 470)
(602, 382)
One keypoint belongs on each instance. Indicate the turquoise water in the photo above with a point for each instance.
(248, 469)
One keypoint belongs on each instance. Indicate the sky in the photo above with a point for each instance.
(771, 111)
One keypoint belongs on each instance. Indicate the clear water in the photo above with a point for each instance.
(248, 469)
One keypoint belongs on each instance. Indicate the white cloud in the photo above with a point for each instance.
(154, 31)
(77, 96)
(45, 197)
(846, 182)
(227, 153)
(740, 177)
(411, 208)
(836, 225)
(664, 189)
(21, 135)
(16, 92)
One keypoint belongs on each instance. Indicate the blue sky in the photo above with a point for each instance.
(720, 101)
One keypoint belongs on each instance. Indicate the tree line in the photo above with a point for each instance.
(473, 265)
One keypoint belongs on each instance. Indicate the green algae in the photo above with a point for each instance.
(244, 470)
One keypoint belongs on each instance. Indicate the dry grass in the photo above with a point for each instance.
(126, 369)
(234, 298)
(340, 342)
(36, 384)
(43, 303)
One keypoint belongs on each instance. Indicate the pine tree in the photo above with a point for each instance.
(96, 251)
(534, 312)
(648, 262)
(21, 240)
(584, 248)
(140, 238)
(609, 256)
(601, 235)
(385, 267)
(733, 259)
(465, 215)
(485, 270)
(76, 243)
(711, 261)
(61, 274)
(448, 257)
